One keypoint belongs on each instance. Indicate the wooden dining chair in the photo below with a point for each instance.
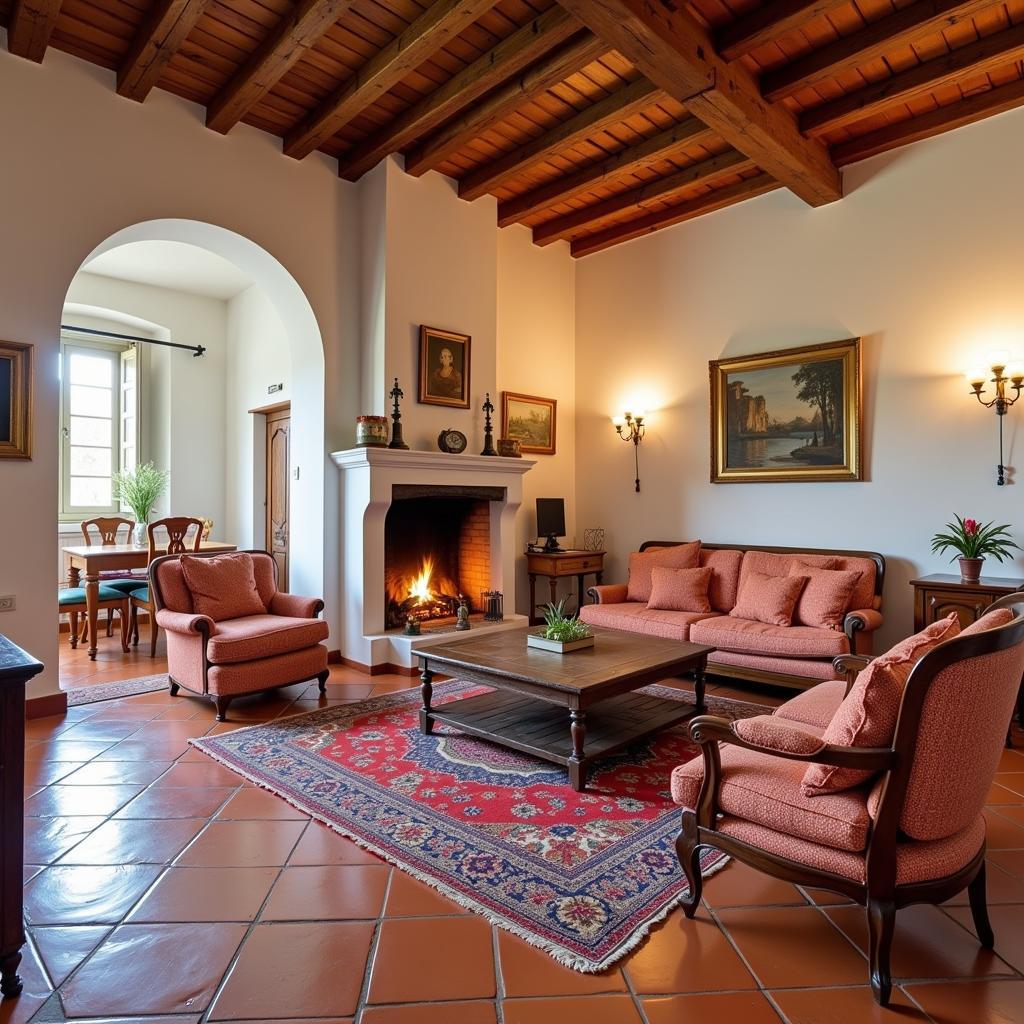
(178, 542)
(71, 600)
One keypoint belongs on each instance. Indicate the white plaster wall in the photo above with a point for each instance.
(923, 259)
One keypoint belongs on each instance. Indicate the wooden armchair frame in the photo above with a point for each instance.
(879, 893)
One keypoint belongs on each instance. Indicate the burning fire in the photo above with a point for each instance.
(420, 586)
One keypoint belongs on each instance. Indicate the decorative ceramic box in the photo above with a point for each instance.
(372, 431)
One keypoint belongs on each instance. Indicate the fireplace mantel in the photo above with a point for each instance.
(368, 479)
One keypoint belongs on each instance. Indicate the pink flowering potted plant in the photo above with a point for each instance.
(973, 542)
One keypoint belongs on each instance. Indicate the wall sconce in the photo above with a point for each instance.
(1001, 377)
(630, 427)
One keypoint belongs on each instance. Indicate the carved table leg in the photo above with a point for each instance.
(10, 981)
(92, 597)
(699, 684)
(533, 599)
(427, 692)
(577, 765)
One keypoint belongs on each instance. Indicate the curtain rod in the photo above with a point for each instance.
(196, 350)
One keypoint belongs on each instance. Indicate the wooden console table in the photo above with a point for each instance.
(557, 565)
(16, 669)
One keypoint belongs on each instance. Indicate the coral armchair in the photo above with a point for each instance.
(225, 655)
(913, 833)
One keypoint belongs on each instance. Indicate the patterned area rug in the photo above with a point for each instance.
(580, 875)
(111, 691)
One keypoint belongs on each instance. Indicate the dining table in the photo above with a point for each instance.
(91, 560)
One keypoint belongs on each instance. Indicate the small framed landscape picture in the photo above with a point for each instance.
(529, 420)
(444, 368)
(15, 400)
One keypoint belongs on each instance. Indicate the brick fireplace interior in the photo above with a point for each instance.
(437, 545)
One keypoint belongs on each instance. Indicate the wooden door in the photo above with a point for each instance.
(278, 473)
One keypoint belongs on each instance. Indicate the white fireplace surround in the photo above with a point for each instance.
(368, 477)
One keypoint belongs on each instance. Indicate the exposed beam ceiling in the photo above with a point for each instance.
(31, 25)
(535, 39)
(674, 51)
(767, 23)
(438, 25)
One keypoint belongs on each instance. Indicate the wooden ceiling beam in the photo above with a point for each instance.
(30, 27)
(658, 190)
(978, 57)
(156, 41)
(569, 59)
(507, 58)
(935, 122)
(622, 104)
(674, 51)
(767, 23)
(906, 25)
(688, 210)
(438, 25)
(690, 132)
(300, 29)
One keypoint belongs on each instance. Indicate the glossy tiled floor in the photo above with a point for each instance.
(160, 886)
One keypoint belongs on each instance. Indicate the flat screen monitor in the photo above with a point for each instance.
(551, 517)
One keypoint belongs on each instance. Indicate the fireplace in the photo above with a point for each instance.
(437, 548)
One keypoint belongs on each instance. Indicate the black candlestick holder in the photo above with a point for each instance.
(488, 429)
(397, 440)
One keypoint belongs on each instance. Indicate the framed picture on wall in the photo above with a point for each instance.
(444, 368)
(788, 416)
(15, 400)
(529, 420)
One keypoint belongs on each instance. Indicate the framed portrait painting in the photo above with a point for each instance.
(444, 368)
(529, 420)
(788, 416)
(15, 400)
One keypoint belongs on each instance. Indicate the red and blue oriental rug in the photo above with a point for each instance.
(583, 876)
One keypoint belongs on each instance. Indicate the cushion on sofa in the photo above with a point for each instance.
(825, 598)
(680, 590)
(678, 556)
(867, 716)
(730, 633)
(767, 790)
(777, 564)
(223, 587)
(770, 599)
(262, 636)
(810, 669)
(725, 576)
(815, 706)
(638, 618)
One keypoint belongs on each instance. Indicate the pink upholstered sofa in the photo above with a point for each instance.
(793, 655)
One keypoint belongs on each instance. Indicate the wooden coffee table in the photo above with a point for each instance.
(567, 708)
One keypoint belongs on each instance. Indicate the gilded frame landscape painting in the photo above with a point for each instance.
(793, 415)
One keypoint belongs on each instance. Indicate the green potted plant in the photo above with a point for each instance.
(140, 489)
(972, 543)
(561, 633)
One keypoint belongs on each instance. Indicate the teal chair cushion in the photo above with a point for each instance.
(76, 595)
(141, 595)
(124, 586)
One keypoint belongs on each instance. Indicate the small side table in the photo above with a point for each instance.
(558, 565)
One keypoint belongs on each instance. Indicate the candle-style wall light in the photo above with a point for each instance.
(630, 427)
(1004, 375)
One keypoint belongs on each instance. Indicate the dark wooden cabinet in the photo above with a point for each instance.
(16, 669)
(937, 595)
(557, 565)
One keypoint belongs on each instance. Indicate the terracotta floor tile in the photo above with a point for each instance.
(738, 885)
(1001, 886)
(1008, 925)
(999, 795)
(66, 750)
(106, 773)
(321, 845)
(186, 774)
(976, 1002)
(34, 994)
(824, 898)
(1013, 781)
(1008, 860)
(252, 803)
(62, 948)
(687, 956)
(845, 1006)
(165, 802)
(328, 893)
(86, 895)
(1001, 833)
(611, 1009)
(225, 844)
(292, 970)
(131, 841)
(143, 750)
(717, 1008)
(45, 773)
(205, 894)
(153, 968)
(47, 839)
(95, 731)
(788, 947)
(1011, 761)
(409, 897)
(440, 958)
(527, 971)
(431, 1013)
(55, 801)
(1012, 812)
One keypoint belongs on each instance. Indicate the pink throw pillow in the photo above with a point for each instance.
(679, 556)
(825, 599)
(867, 717)
(680, 590)
(223, 587)
(770, 599)
(990, 620)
